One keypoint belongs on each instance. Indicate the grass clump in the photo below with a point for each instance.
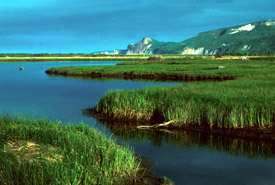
(154, 58)
(44, 152)
(211, 105)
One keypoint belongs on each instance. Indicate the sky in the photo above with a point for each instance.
(86, 26)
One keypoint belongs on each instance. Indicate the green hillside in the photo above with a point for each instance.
(167, 47)
(251, 39)
(260, 40)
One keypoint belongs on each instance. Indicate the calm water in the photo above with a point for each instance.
(186, 158)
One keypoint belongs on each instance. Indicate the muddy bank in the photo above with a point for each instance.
(149, 178)
(134, 76)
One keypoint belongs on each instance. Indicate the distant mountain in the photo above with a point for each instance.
(253, 38)
(109, 52)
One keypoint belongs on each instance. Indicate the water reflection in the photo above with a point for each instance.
(248, 147)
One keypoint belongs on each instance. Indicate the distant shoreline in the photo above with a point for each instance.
(34, 58)
(105, 58)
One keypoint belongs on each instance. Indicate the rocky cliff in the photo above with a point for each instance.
(142, 47)
(253, 38)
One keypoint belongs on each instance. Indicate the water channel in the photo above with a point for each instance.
(186, 158)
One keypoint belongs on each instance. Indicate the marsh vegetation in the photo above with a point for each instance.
(45, 152)
(247, 102)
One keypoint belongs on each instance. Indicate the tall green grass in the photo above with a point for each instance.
(246, 102)
(44, 152)
(228, 104)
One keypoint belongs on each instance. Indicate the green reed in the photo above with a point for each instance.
(45, 152)
(195, 104)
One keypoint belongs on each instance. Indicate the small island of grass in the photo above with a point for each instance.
(44, 152)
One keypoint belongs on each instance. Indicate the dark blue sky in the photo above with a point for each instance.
(65, 26)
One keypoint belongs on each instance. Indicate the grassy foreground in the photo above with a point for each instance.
(247, 102)
(43, 152)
